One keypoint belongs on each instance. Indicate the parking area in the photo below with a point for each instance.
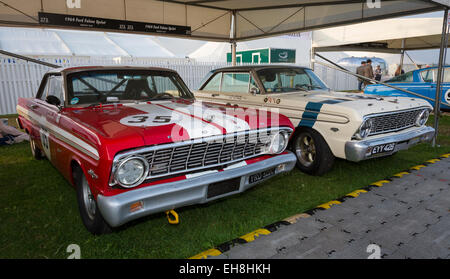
(407, 217)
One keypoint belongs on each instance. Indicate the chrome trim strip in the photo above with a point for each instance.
(59, 133)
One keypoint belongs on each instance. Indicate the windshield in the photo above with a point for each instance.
(121, 86)
(408, 77)
(278, 80)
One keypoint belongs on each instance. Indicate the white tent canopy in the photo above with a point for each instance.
(55, 42)
(210, 19)
(211, 52)
(217, 51)
(390, 35)
(27, 41)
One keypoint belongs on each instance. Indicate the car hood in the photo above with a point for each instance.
(142, 124)
(361, 104)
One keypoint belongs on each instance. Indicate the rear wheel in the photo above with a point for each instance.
(90, 215)
(35, 151)
(313, 153)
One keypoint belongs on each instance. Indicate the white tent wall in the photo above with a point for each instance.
(29, 41)
(21, 79)
(139, 46)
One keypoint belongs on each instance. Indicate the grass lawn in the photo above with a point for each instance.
(39, 216)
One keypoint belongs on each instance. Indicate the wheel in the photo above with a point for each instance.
(90, 215)
(313, 153)
(35, 151)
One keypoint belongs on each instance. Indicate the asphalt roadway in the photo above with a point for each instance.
(406, 218)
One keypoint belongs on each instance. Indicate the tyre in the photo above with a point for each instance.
(89, 212)
(35, 151)
(314, 156)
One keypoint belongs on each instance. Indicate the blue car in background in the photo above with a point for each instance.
(421, 81)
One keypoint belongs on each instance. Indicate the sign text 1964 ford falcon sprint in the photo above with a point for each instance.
(133, 141)
(328, 124)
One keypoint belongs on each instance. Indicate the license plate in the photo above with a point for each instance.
(383, 148)
(223, 187)
(260, 176)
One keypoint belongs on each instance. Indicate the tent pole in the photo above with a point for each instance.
(402, 57)
(440, 76)
(233, 37)
(331, 62)
(312, 53)
(233, 53)
(415, 64)
(28, 59)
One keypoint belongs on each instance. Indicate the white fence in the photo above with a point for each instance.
(21, 79)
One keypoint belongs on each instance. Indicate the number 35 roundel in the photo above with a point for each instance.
(150, 119)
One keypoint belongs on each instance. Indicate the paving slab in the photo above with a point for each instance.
(406, 218)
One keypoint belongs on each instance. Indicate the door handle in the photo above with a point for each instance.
(33, 106)
(215, 95)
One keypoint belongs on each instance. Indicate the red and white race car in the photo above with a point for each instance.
(133, 141)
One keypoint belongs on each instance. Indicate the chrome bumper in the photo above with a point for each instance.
(361, 150)
(116, 209)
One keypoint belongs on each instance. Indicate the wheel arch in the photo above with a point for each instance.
(299, 129)
(75, 165)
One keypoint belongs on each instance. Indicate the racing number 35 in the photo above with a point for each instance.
(142, 119)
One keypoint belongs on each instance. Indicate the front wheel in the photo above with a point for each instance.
(89, 212)
(314, 156)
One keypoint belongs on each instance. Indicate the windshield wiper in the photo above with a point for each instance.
(301, 87)
(162, 96)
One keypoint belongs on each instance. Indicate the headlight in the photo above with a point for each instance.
(422, 118)
(279, 142)
(131, 172)
(364, 129)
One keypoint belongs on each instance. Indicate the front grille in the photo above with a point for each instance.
(205, 153)
(392, 122)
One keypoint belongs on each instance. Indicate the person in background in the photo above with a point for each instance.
(378, 73)
(399, 71)
(10, 135)
(360, 71)
(368, 72)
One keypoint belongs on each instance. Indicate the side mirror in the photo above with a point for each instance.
(53, 100)
(254, 90)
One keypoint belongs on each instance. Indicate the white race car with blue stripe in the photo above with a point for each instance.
(328, 124)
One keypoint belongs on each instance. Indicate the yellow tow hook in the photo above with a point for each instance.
(175, 220)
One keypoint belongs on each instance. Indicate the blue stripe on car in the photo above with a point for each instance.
(334, 101)
(309, 117)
